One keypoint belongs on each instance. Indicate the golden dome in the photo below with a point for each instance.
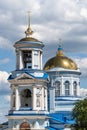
(60, 61)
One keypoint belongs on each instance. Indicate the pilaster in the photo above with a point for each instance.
(42, 99)
(32, 59)
(34, 97)
(62, 87)
(41, 61)
(45, 100)
(78, 88)
(17, 100)
(71, 87)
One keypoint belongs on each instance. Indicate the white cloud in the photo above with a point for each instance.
(4, 107)
(82, 64)
(83, 12)
(3, 76)
(4, 85)
(4, 95)
(83, 92)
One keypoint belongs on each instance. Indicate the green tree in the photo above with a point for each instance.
(0, 126)
(80, 114)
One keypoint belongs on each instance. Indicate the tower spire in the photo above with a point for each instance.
(28, 18)
(28, 32)
(60, 49)
(60, 42)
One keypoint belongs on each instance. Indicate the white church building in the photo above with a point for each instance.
(42, 98)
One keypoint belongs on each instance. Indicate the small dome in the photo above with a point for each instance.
(60, 61)
(29, 42)
(30, 39)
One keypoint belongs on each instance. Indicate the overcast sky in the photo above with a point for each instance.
(50, 20)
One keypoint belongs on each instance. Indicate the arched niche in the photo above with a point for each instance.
(26, 98)
(25, 126)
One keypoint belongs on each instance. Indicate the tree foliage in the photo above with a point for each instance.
(0, 126)
(80, 114)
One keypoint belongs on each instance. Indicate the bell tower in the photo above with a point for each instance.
(29, 51)
(29, 103)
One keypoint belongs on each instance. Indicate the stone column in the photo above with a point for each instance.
(17, 59)
(12, 96)
(20, 59)
(17, 100)
(11, 100)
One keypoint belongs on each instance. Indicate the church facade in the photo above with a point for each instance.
(42, 98)
(64, 89)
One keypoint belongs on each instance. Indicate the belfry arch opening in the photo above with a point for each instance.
(26, 99)
(25, 126)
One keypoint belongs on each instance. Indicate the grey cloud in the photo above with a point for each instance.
(47, 14)
(49, 19)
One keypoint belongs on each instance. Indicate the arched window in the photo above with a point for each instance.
(67, 88)
(75, 88)
(57, 88)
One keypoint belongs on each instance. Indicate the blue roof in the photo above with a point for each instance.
(61, 117)
(38, 74)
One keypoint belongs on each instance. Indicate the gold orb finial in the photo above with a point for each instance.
(28, 32)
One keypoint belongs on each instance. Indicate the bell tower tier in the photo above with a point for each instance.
(28, 91)
(29, 53)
